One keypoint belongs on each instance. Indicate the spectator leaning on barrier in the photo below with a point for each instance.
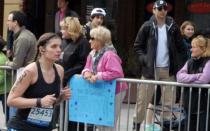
(63, 12)
(75, 49)
(24, 46)
(39, 88)
(187, 31)
(96, 19)
(160, 52)
(196, 70)
(103, 63)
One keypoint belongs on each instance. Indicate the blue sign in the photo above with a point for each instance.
(92, 103)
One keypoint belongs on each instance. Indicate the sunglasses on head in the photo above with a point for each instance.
(160, 8)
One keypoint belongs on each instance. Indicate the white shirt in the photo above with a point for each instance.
(162, 55)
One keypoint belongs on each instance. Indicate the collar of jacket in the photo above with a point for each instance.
(89, 24)
(169, 22)
(18, 33)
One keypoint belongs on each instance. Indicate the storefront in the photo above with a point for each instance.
(124, 17)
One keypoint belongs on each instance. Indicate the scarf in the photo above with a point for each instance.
(96, 55)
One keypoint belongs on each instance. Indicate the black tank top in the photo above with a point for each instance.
(38, 90)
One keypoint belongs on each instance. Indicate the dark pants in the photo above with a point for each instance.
(193, 123)
(10, 129)
(72, 126)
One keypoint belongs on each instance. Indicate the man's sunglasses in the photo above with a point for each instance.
(162, 8)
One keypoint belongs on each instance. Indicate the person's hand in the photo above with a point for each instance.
(66, 93)
(9, 53)
(87, 75)
(48, 100)
(93, 78)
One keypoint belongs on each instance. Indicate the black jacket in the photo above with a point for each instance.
(195, 66)
(145, 47)
(74, 57)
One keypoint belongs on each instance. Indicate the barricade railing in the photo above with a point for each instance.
(125, 119)
(8, 80)
(178, 117)
(178, 108)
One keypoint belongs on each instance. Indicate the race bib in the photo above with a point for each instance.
(40, 116)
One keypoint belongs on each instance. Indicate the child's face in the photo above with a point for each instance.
(189, 31)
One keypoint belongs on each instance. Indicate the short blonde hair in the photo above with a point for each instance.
(203, 43)
(73, 26)
(101, 34)
(184, 24)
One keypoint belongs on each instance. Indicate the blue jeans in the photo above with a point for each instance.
(10, 129)
(12, 111)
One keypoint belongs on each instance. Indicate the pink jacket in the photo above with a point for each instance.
(108, 68)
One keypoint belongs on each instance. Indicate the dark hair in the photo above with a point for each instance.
(20, 17)
(2, 43)
(25, 5)
(43, 41)
(98, 12)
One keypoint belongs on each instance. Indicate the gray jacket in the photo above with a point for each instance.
(24, 48)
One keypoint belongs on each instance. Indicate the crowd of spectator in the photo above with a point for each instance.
(165, 53)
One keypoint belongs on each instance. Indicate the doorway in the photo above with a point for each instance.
(50, 11)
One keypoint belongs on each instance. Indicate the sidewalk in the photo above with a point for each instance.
(124, 120)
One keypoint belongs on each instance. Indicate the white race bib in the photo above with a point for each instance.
(40, 116)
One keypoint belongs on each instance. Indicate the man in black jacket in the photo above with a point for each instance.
(161, 53)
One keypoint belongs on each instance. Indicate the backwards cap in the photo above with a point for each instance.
(159, 3)
(98, 11)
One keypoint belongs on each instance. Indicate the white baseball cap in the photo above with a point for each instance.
(98, 11)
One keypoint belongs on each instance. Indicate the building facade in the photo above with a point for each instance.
(124, 17)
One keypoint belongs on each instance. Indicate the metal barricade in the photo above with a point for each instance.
(9, 77)
(178, 117)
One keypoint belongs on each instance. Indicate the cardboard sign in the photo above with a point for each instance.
(92, 103)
